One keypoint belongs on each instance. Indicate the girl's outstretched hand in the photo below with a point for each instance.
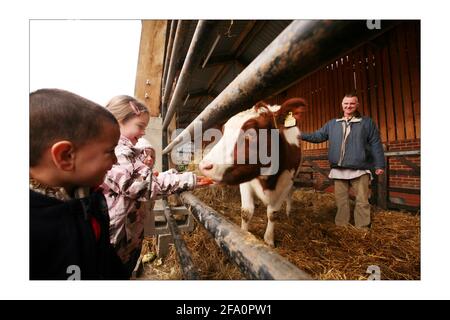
(203, 181)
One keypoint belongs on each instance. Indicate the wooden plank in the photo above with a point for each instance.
(331, 107)
(307, 126)
(326, 75)
(405, 82)
(380, 96)
(311, 114)
(340, 91)
(326, 98)
(402, 206)
(348, 74)
(317, 168)
(322, 103)
(337, 98)
(347, 85)
(316, 104)
(396, 86)
(365, 90)
(372, 85)
(298, 93)
(409, 163)
(389, 101)
(150, 64)
(404, 190)
(413, 48)
(331, 101)
(340, 71)
(359, 84)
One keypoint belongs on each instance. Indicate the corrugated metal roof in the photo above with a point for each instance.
(240, 42)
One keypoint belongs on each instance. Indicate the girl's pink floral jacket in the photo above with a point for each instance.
(126, 185)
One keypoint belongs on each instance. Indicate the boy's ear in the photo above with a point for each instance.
(63, 155)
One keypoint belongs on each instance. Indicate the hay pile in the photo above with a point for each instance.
(308, 239)
(311, 240)
(159, 269)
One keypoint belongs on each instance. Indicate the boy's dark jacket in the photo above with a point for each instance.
(62, 239)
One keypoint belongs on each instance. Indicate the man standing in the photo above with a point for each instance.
(354, 148)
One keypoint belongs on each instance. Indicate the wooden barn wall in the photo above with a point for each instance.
(385, 73)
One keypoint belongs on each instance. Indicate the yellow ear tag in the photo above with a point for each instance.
(289, 121)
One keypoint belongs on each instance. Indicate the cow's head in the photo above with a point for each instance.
(251, 142)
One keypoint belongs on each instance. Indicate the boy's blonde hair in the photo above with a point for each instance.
(125, 107)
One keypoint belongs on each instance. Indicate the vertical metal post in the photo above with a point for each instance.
(183, 254)
(173, 26)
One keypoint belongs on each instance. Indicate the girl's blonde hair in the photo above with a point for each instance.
(124, 108)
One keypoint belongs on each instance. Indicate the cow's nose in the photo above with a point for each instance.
(205, 166)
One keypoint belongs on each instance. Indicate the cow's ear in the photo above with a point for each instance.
(294, 107)
(294, 103)
(261, 105)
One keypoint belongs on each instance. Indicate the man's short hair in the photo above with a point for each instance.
(62, 115)
(351, 95)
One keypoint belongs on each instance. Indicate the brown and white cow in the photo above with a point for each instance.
(244, 138)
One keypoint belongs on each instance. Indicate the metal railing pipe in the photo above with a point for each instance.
(201, 37)
(173, 26)
(180, 35)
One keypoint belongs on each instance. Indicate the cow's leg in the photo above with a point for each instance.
(247, 204)
(289, 202)
(282, 193)
(271, 217)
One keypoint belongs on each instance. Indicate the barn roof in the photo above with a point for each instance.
(240, 42)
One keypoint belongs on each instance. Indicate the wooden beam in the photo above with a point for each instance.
(416, 210)
(322, 171)
(410, 164)
(404, 190)
(150, 64)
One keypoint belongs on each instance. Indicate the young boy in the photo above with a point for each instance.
(72, 143)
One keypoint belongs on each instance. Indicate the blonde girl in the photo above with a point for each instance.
(131, 180)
